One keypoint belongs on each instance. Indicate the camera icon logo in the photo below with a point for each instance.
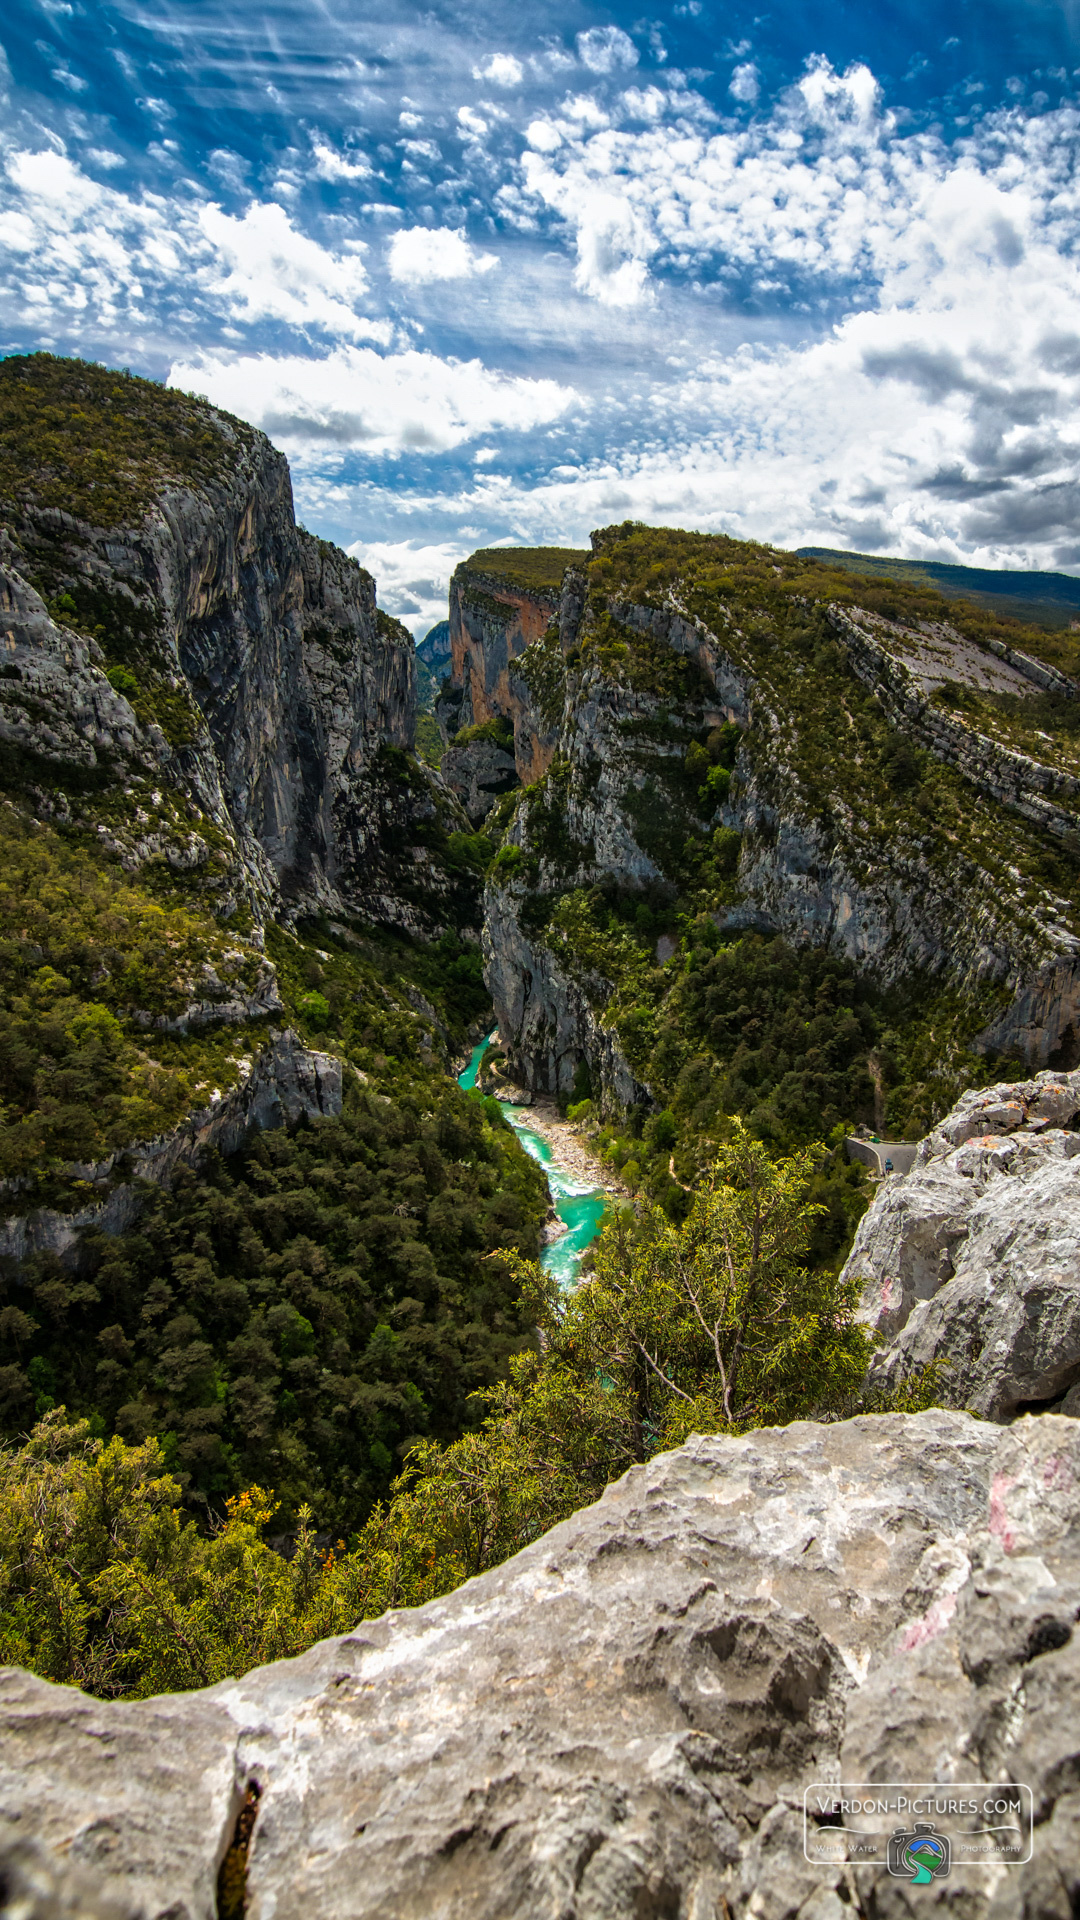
(921, 1856)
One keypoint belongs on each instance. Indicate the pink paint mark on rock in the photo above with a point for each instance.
(934, 1621)
(999, 1518)
(1056, 1472)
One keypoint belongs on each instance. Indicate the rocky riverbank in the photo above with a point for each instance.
(567, 1143)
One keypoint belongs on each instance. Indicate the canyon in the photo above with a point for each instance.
(812, 862)
(739, 837)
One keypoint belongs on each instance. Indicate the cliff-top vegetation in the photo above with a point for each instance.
(100, 444)
(643, 562)
(538, 568)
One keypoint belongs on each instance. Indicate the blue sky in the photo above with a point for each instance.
(495, 274)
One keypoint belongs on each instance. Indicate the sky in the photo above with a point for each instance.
(499, 274)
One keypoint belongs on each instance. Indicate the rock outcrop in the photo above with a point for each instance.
(624, 1719)
(479, 772)
(262, 683)
(972, 1260)
(550, 1019)
(286, 1082)
(491, 620)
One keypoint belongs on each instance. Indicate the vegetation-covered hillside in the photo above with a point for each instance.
(718, 1018)
(309, 1309)
(101, 445)
(1046, 600)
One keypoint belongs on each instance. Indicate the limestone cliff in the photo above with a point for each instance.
(197, 689)
(892, 783)
(209, 647)
(624, 1719)
(499, 609)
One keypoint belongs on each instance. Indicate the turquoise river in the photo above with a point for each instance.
(579, 1206)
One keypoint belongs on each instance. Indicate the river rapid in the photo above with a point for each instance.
(579, 1206)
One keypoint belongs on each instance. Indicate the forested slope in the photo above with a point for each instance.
(216, 832)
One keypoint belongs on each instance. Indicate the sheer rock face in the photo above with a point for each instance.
(972, 1259)
(807, 871)
(623, 1719)
(548, 1020)
(270, 638)
(478, 773)
(491, 621)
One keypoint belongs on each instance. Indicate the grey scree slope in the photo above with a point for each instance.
(621, 1720)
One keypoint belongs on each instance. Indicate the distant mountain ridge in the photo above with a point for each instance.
(432, 667)
(1046, 599)
(434, 648)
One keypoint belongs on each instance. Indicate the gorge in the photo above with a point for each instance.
(732, 851)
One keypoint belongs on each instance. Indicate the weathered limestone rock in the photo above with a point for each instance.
(973, 1258)
(622, 1720)
(491, 620)
(549, 1021)
(479, 773)
(270, 638)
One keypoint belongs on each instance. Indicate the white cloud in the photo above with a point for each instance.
(744, 82)
(422, 254)
(420, 150)
(635, 104)
(471, 124)
(104, 157)
(606, 50)
(413, 579)
(384, 403)
(265, 269)
(944, 422)
(940, 418)
(82, 250)
(74, 82)
(502, 70)
(330, 165)
(813, 189)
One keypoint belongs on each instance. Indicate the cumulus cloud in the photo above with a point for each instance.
(606, 50)
(947, 433)
(744, 84)
(421, 254)
(265, 269)
(939, 418)
(77, 247)
(413, 578)
(384, 403)
(823, 189)
(502, 70)
(331, 165)
(471, 125)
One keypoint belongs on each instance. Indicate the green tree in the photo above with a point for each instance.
(712, 1325)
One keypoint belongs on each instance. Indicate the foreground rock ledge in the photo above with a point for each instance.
(621, 1720)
